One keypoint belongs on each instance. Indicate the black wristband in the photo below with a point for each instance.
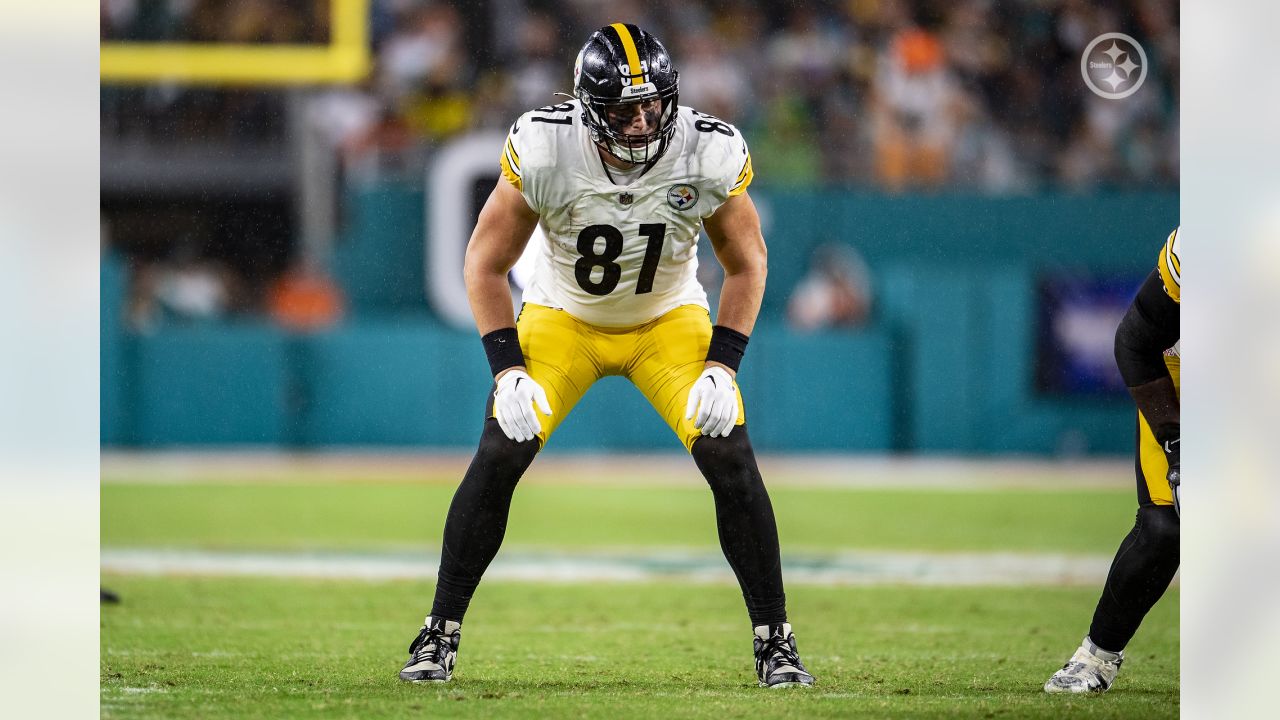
(503, 349)
(727, 346)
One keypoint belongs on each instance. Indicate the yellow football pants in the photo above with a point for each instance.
(1151, 457)
(663, 358)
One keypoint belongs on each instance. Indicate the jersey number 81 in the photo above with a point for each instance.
(606, 258)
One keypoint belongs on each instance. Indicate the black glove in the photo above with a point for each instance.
(1173, 453)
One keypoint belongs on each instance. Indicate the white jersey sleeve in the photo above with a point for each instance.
(532, 150)
(722, 158)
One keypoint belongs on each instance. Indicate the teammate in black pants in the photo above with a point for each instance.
(1147, 350)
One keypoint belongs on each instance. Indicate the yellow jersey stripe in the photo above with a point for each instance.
(509, 174)
(746, 176)
(515, 156)
(515, 167)
(629, 47)
(745, 168)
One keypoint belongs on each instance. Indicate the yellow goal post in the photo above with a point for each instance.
(344, 60)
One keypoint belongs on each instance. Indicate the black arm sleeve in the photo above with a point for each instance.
(1150, 327)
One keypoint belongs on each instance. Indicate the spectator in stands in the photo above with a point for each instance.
(835, 293)
(709, 78)
(305, 298)
(917, 110)
(894, 95)
(785, 145)
(183, 290)
(900, 93)
(537, 72)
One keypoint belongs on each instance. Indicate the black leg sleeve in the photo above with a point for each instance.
(1142, 570)
(744, 519)
(477, 519)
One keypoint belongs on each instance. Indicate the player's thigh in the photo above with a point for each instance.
(1153, 468)
(671, 354)
(558, 354)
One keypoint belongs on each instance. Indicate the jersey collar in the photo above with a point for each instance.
(600, 175)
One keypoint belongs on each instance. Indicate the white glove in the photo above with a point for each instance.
(715, 400)
(513, 405)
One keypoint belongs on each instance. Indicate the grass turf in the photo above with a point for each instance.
(259, 648)
(367, 516)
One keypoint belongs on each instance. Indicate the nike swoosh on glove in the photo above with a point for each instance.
(513, 405)
(715, 401)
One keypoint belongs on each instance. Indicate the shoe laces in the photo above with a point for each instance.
(1074, 668)
(430, 645)
(1092, 664)
(778, 647)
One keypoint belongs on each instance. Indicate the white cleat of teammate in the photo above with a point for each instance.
(1091, 669)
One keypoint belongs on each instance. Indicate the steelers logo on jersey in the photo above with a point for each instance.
(682, 197)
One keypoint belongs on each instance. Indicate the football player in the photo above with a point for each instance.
(1148, 347)
(621, 178)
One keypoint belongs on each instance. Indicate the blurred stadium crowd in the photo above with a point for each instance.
(201, 184)
(897, 95)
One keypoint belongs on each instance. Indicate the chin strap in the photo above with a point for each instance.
(662, 150)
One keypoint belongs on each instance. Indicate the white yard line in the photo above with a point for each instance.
(846, 568)
(651, 469)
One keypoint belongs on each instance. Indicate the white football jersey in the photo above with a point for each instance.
(618, 255)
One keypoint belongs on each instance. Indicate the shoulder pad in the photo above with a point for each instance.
(533, 139)
(723, 150)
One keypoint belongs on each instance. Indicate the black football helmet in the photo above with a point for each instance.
(622, 65)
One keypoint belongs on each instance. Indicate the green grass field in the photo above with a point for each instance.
(371, 516)
(238, 647)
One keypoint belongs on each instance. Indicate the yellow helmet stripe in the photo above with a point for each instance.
(629, 47)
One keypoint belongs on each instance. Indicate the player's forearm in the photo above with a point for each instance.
(501, 232)
(490, 298)
(740, 298)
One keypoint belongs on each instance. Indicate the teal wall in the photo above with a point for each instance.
(414, 384)
(378, 256)
(946, 367)
(113, 360)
